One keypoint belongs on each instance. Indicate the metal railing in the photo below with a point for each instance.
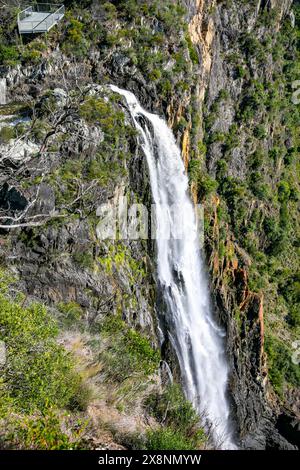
(54, 14)
(24, 14)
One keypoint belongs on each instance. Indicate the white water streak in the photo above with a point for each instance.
(196, 338)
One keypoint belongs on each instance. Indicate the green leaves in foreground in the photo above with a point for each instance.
(37, 379)
(44, 432)
(180, 429)
(168, 439)
(38, 372)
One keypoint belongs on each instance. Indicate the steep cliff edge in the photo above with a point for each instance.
(221, 72)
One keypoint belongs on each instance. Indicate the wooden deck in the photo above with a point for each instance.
(40, 18)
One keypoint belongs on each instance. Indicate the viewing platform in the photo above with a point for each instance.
(40, 18)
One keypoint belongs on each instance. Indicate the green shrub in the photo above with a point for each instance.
(181, 124)
(31, 56)
(294, 315)
(75, 42)
(165, 438)
(231, 139)
(222, 169)
(84, 259)
(172, 407)
(192, 50)
(281, 367)
(284, 191)
(44, 432)
(259, 132)
(9, 55)
(105, 172)
(128, 353)
(38, 372)
(223, 95)
(39, 129)
(202, 149)
(110, 10)
(275, 153)
(6, 134)
(6, 402)
(172, 410)
(165, 87)
(71, 170)
(290, 290)
(97, 110)
(257, 185)
(252, 46)
(82, 398)
(194, 170)
(206, 186)
(154, 75)
(284, 217)
(216, 137)
(256, 159)
(71, 312)
(240, 71)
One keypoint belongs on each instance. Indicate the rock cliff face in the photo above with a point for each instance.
(217, 77)
(218, 30)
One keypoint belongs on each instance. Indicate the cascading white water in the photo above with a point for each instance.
(2, 90)
(195, 336)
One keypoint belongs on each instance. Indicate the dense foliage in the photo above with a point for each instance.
(38, 377)
(179, 422)
(128, 352)
(257, 213)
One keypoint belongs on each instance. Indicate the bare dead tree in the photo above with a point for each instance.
(15, 166)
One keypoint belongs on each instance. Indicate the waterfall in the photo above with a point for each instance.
(2, 91)
(197, 339)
